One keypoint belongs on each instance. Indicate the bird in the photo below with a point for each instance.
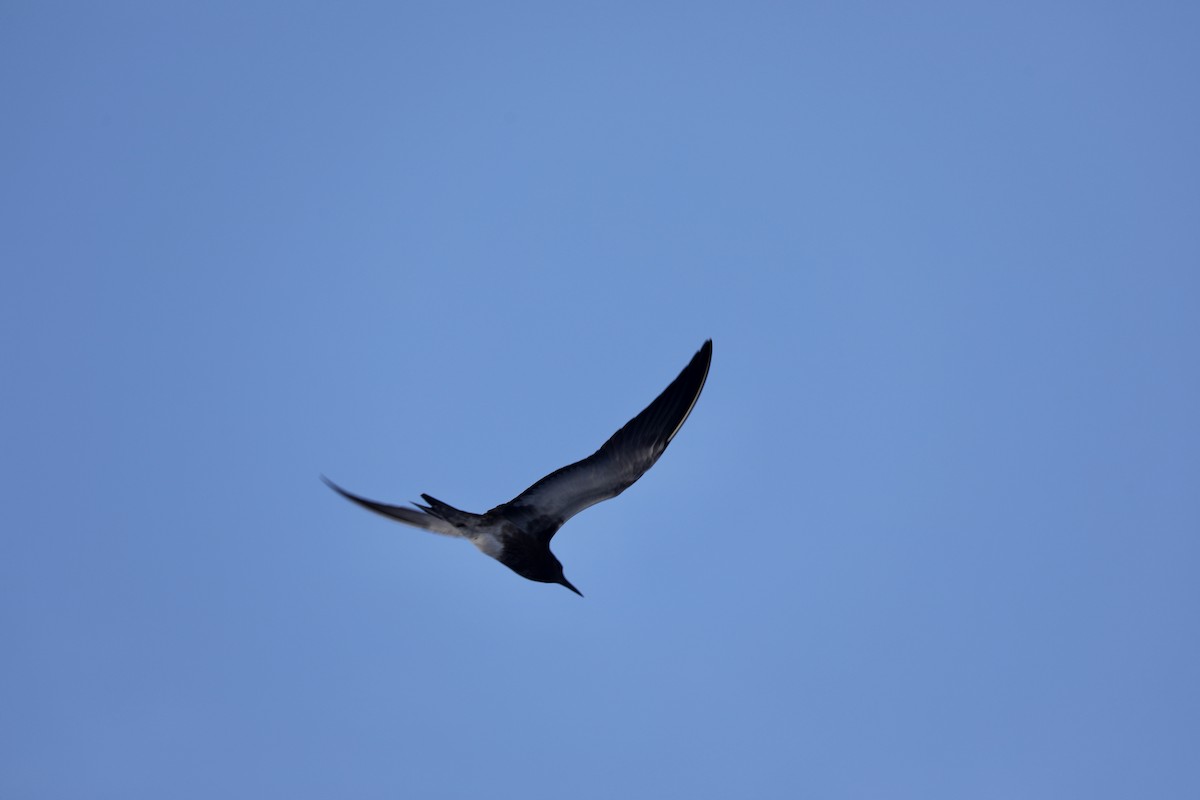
(518, 533)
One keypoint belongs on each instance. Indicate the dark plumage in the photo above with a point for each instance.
(518, 533)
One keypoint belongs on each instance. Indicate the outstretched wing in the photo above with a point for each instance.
(409, 515)
(618, 463)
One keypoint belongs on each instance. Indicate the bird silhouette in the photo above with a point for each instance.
(518, 533)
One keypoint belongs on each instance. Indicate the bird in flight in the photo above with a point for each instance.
(518, 533)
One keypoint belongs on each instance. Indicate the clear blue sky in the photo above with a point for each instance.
(932, 531)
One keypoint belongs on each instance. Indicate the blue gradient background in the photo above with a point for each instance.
(932, 531)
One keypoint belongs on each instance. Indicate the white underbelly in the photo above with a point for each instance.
(488, 543)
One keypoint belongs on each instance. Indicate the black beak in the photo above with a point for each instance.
(567, 584)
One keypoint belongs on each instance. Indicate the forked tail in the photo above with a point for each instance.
(447, 512)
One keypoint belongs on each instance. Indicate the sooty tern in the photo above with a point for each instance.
(518, 533)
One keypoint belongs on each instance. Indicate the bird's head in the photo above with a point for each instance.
(536, 563)
(554, 574)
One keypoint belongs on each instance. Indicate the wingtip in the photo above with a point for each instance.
(340, 490)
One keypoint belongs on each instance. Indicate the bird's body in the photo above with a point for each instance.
(518, 533)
